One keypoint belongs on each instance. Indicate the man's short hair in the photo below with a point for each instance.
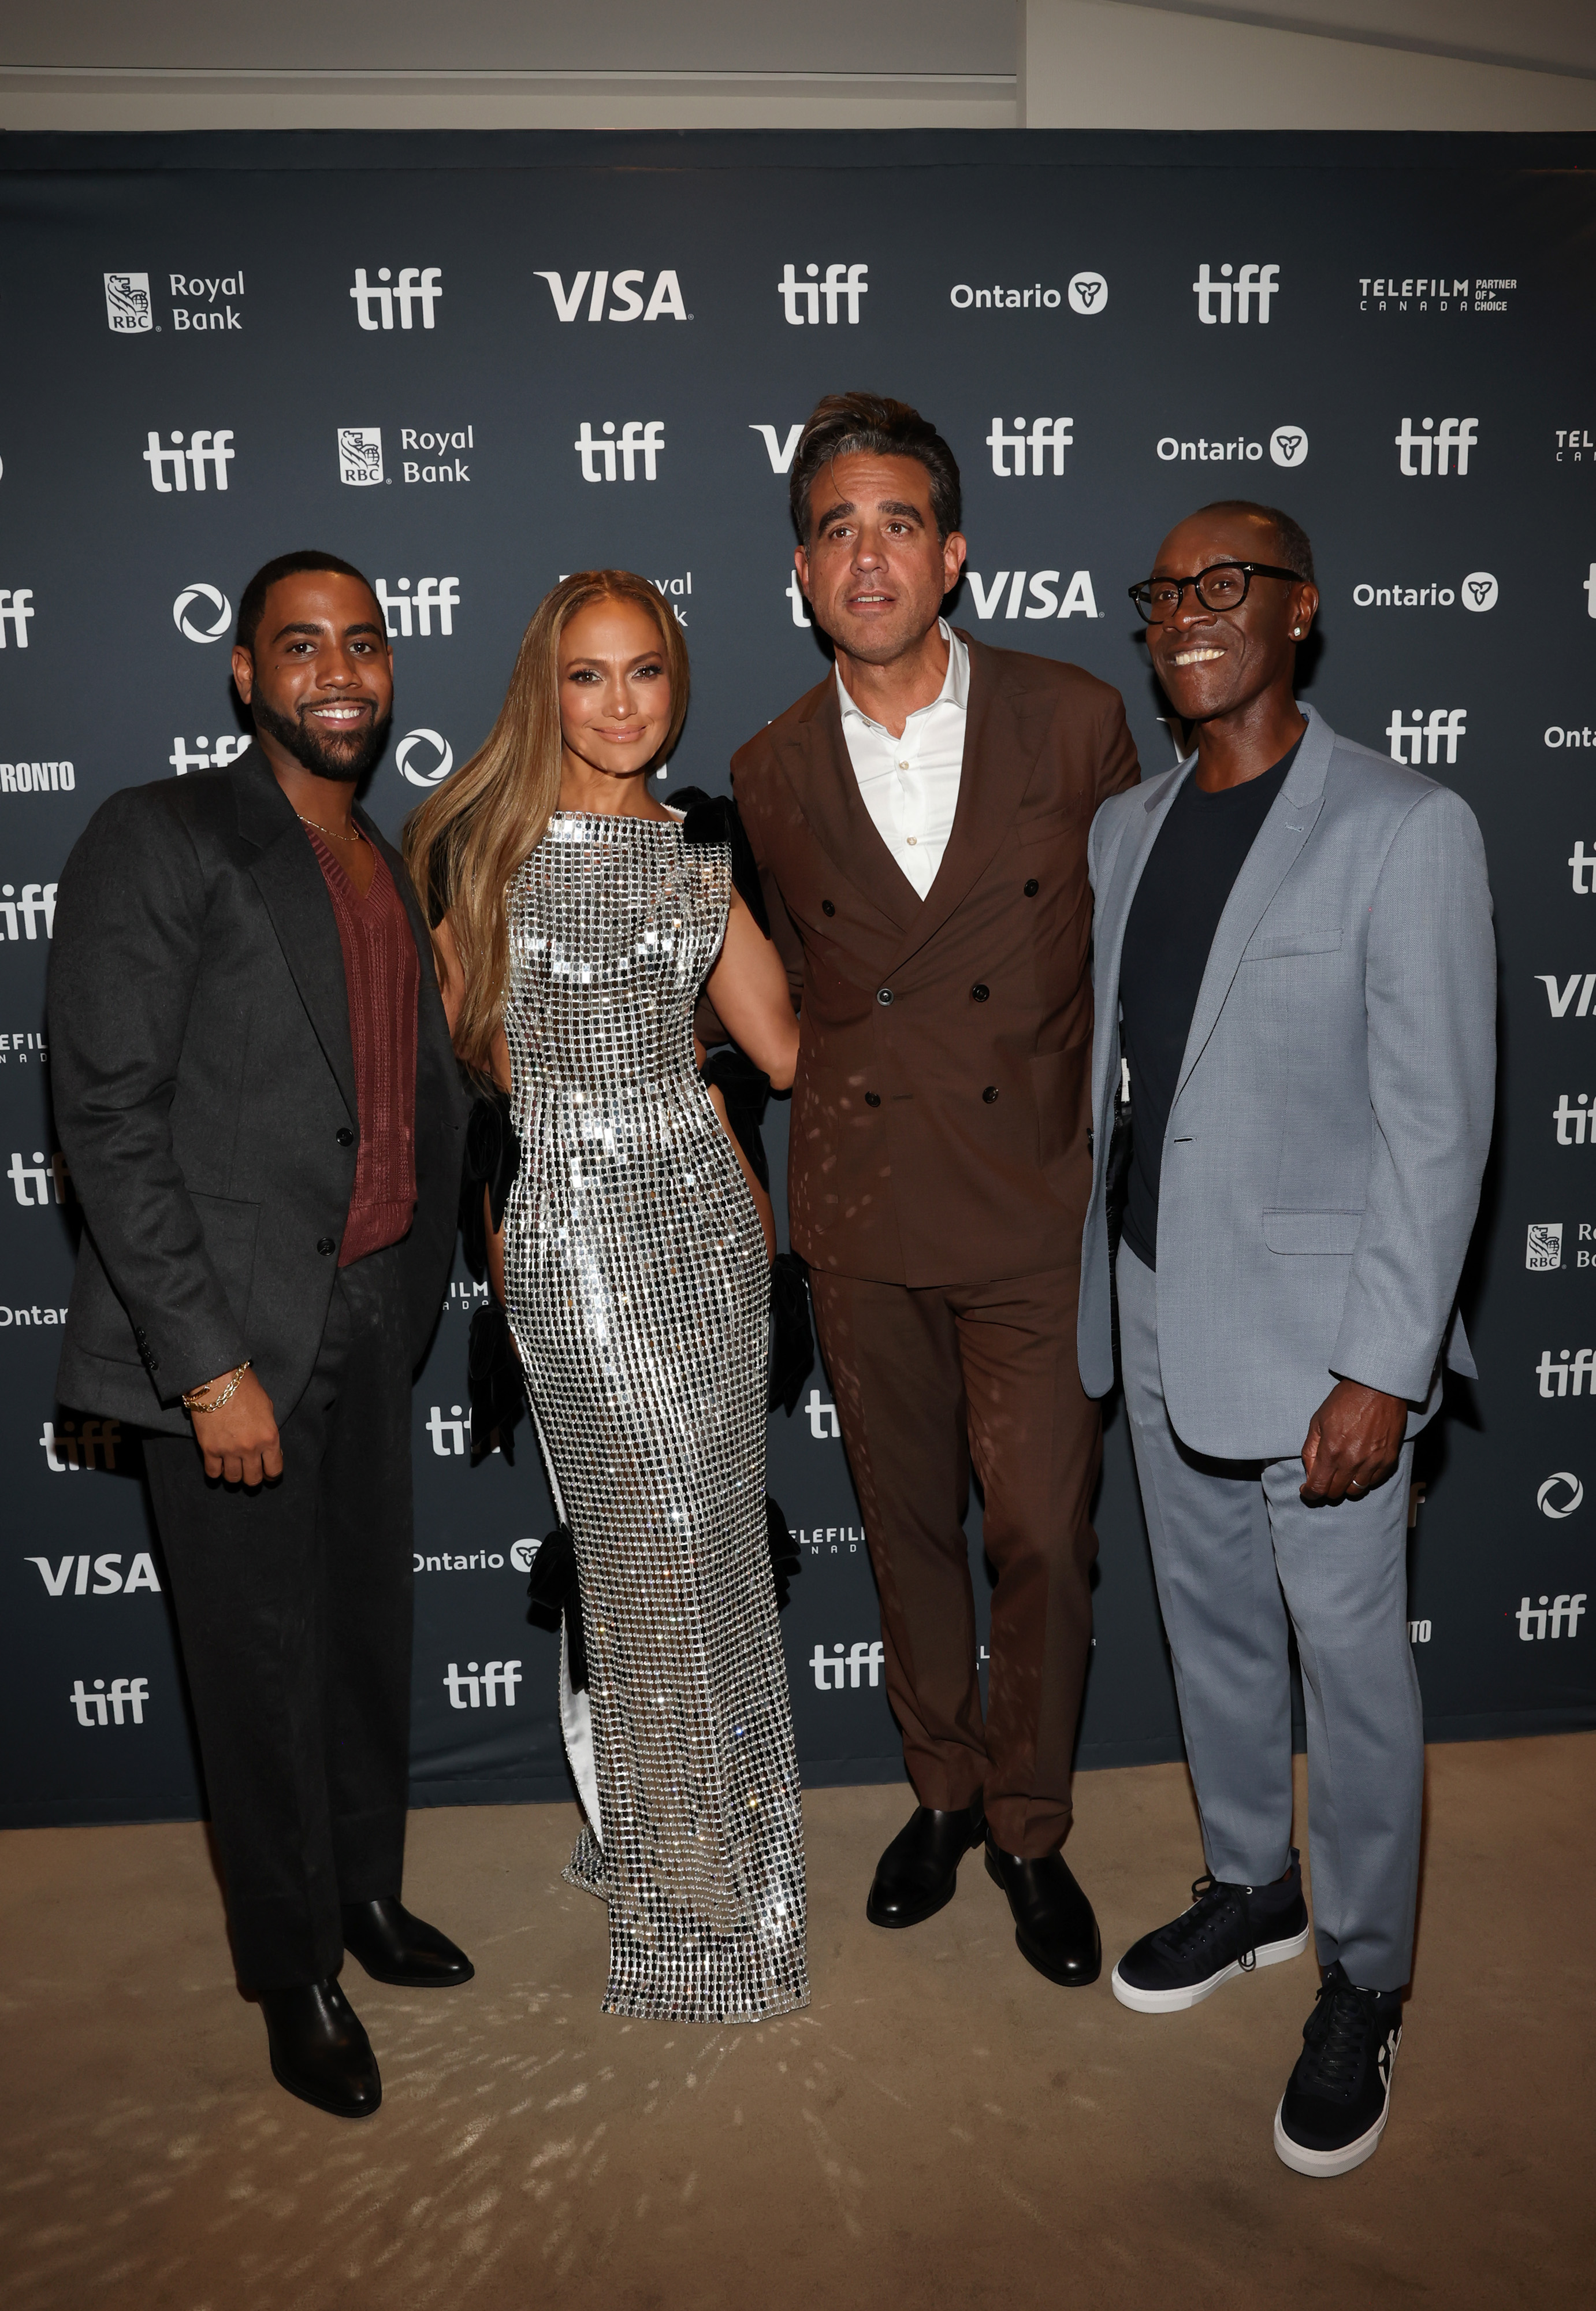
(252, 606)
(850, 425)
(1296, 552)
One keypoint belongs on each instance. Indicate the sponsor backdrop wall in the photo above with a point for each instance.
(473, 363)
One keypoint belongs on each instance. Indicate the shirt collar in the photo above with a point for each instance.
(954, 690)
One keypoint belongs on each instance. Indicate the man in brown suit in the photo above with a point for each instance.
(920, 821)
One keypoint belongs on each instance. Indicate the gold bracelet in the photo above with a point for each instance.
(191, 1396)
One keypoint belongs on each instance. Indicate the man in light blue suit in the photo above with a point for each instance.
(1295, 960)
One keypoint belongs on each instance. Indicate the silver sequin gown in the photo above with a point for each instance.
(637, 1286)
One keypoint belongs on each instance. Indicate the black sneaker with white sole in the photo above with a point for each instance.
(1228, 1931)
(1332, 2113)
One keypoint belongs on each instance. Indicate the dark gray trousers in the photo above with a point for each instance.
(293, 1606)
(1235, 1553)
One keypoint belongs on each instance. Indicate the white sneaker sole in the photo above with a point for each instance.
(1176, 2001)
(1323, 2164)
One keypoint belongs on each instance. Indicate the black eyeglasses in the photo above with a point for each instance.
(1222, 586)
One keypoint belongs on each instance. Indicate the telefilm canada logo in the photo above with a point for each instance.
(1433, 292)
(419, 288)
(1086, 294)
(1241, 293)
(818, 300)
(623, 290)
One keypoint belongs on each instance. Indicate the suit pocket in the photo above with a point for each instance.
(1313, 1232)
(1043, 824)
(1323, 938)
(229, 1228)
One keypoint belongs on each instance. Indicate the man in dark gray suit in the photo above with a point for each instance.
(1294, 952)
(256, 1092)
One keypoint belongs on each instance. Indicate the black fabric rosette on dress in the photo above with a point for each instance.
(493, 1376)
(552, 1591)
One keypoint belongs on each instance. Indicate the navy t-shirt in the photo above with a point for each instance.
(1201, 850)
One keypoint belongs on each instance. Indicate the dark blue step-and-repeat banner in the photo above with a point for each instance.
(473, 363)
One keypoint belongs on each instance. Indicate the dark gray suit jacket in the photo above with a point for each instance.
(204, 1083)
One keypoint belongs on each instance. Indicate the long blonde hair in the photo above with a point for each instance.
(464, 844)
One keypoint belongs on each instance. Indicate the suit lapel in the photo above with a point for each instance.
(813, 758)
(1004, 730)
(1278, 845)
(291, 884)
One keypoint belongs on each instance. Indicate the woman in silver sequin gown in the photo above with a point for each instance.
(636, 1278)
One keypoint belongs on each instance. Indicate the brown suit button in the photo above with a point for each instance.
(990, 1094)
(872, 1099)
(826, 907)
(978, 993)
(884, 995)
(1031, 887)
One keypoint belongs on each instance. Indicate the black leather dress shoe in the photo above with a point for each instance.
(394, 1946)
(1053, 1922)
(319, 2049)
(919, 1873)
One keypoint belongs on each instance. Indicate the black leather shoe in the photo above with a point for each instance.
(394, 1946)
(919, 1873)
(1053, 1922)
(319, 2049)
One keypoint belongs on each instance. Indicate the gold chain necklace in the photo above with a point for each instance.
(353, 835)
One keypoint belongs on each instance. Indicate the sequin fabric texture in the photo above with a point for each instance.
(637, 1285)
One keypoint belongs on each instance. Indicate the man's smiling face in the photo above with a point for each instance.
(875, 570)
(319, 679)
(1211, 662)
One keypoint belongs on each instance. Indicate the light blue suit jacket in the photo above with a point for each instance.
(1322, 1161)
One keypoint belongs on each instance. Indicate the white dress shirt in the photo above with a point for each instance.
(910, 785)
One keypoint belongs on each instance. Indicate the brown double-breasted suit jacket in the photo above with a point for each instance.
(941, 1113)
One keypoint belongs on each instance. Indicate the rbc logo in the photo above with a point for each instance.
(1255, 286)
(360, 456)
(415, 286)
(666, 297)
(205, 448)
(845, 284)
(128, 313)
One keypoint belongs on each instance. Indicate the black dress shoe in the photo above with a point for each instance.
(1053, 1922)
(319, 2049)
(919, 1873)
(394, 1946)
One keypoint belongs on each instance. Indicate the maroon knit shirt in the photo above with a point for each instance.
(383, 978)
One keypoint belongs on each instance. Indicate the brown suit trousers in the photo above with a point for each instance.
(938, 1171)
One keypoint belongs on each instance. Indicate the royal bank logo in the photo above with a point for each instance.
(1245, 297)
(1429, 739)
(170, 468)
(1045, 444)
(1560, 1495)
(108, 1578)
(1032, 594)
(201, 311)
(360, 456)
(20, 917)
(474, 1689)
(607, 457)
(432, 462)
(1430, 449)
(1478, 592)
(837, 1666)
(622, 289)
(129, 310)
(1552, 1617)
(432, 597)
(418, 289)
(206, 756)
(193, 606)
(816, 300)
(424, 758)
(123, 1705)
(1543, 1247)
(16, 609)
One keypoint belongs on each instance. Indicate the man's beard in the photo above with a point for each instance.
(336, 759)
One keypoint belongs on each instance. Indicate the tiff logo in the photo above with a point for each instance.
(1436, 450)
(129, 1693)
(1571, 1122)
(1444, 728)
(205, 448)
(449, 1436)
(637, 440)
(439, 594)
(30, 1183)
(1255, 286)
(37, 902)
(666, 298)
(1047, 434)
(1583, 862)
(226, 750)
(845, 284)
(1554, 1377)
(1564, 1608)
(15, 610)
(65, 1452)
(823, 1417)
(415, 286)
(107, 1579)
(470, 1689)
(838, 1667)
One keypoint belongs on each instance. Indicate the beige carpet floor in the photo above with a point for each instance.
(942, 2127)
